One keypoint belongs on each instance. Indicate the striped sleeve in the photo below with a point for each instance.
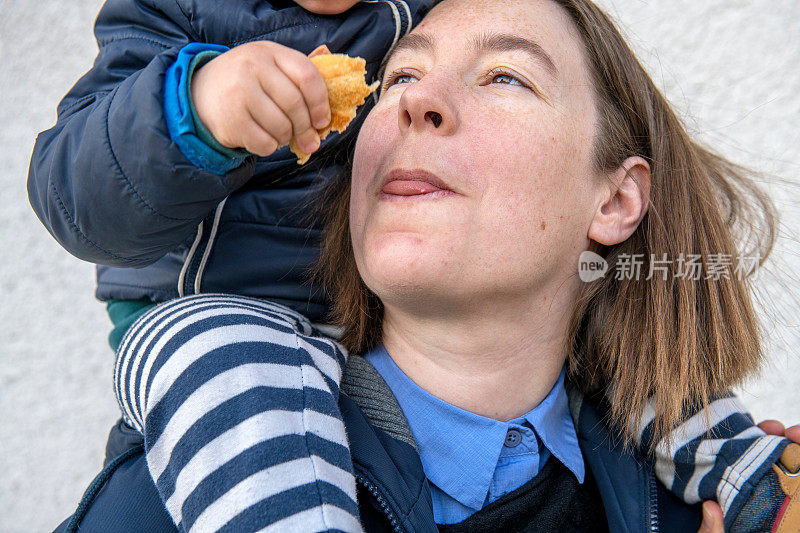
(237, 399)
(715, 454)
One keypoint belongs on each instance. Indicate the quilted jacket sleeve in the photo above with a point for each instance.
(107, 181)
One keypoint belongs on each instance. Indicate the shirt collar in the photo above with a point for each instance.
(553, 423)
(447, 435)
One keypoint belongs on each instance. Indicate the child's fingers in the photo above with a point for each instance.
(256, 140)
(271, 118)
(307, 78)
(290, 100)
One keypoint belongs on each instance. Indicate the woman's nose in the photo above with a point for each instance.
(428, 105)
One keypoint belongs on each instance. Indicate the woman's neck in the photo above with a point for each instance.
(493, 361)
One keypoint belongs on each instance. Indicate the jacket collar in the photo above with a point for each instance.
(626, 482)
(445, 434)
(385, 455)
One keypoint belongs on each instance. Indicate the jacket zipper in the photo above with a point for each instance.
(192, 262)
(195, 263)
(402, 17)
(198, 276)
(653, 503)
(186, 262)
(381, 501)
(405, 16)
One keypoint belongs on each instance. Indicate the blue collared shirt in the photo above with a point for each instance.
(470, 460)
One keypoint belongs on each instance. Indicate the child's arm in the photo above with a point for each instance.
(237, 399)
(732, 463)
(125, 175)
(107, 181)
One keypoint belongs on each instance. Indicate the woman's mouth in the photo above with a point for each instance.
(399, 183)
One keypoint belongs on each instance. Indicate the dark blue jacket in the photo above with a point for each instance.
(113, 188)
(393, 494)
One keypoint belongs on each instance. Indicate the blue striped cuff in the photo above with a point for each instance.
(180, 116)
(718, 454)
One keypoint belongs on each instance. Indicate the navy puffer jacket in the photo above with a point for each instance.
(111, 186)
(393, 493)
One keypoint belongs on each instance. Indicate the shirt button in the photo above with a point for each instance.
(513, 437)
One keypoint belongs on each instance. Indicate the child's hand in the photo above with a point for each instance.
(259, 95)
(713, 519)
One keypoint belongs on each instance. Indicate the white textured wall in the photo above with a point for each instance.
(730, 66)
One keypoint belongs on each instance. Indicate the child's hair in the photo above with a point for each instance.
(677, 339)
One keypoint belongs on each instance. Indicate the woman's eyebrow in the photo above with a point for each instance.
(414, 42)
(411, 42)
(491, 42)
(504, 42)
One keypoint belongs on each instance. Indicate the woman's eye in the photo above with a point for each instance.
(403, 78)
(398, 77)
(507, 79)
(504, 77)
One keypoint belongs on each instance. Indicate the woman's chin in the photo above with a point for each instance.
(406, 263)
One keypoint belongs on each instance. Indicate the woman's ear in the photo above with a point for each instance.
(623, 203)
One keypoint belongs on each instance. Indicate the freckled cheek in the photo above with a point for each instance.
(525, 173)
(374, 142)
(364, 169)
(517, 162)
(374, 146)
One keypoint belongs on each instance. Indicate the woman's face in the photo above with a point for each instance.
(473, 176)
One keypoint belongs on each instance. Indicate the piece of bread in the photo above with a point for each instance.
(344, 78)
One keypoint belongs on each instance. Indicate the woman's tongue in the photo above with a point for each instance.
(409, 187)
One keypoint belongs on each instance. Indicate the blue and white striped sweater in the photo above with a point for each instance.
(237, 400)
(723, 463)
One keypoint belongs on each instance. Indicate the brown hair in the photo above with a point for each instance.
(678, 340)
